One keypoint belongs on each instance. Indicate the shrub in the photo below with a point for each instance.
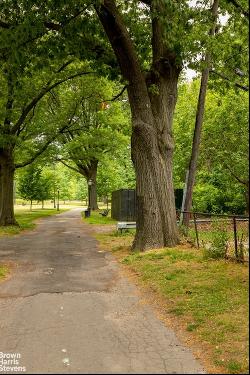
(218, 246)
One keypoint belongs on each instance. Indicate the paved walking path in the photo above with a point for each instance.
(67, 309)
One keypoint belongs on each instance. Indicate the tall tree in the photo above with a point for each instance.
(150, 40)
(228, 149)
(223, 159)
(20, 132)
(191, 172)
(30, 69)
(178, 33)
(97, 128)
(152, 100)
(34, 185)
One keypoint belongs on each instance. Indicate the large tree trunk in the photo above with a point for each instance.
(152, 114)
(7, 170)
(152, 154)
(156, 217)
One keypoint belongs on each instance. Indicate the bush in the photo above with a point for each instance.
(218, 246)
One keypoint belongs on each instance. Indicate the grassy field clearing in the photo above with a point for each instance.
(206, 300)
(25, 205)
(25, 219)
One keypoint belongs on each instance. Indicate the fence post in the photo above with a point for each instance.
(196, 230)
(235, 237)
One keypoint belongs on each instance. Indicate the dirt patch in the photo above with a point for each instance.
(107, 228)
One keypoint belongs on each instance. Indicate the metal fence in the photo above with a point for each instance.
(231, 230)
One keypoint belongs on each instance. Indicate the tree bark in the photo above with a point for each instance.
(89, 171)
(90, 174)
(152, 115)
(152, 152)
(92, 195)
(191, 172)
(247, 198)
(7, 170)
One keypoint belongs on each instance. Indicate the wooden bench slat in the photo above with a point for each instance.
(126, 225)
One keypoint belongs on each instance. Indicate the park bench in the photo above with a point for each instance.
(105, 212)
(125, 225)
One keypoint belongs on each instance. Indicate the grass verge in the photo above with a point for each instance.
(206, 300)
(26, 219)
(96, 218)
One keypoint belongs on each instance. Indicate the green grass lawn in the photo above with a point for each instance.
(207, 298)
(25, 219)
(96, 218)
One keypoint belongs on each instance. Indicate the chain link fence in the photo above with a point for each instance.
(220, 235)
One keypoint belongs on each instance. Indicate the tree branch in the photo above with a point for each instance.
(127, 57)
(119, 38)
(39, 96)
(116, 96)
(40, 151)
(67, 63)
(58, 26)
(9, 103)
(243, 182)
(81, 166)
(44, 147)
(223, 76)
(69, 166)
(239, 7)
(49, 24)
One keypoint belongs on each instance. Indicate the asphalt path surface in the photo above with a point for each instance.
(67, 309)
